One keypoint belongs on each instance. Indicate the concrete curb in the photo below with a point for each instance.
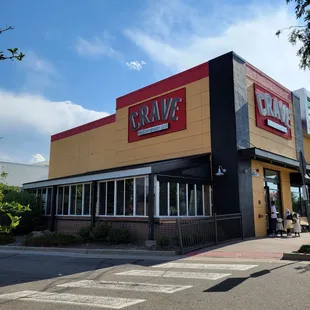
(296, 256)
(90, 251)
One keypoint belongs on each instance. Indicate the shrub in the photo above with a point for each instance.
(6, 239)
(31, 219)
(305, 249)
(101, 232)
(162, 241)
(86, 233)
(53, 239)
(118, 236)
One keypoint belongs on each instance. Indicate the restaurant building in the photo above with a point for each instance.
(221, 137)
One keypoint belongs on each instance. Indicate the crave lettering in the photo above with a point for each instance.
(268, 106)
(159, 111)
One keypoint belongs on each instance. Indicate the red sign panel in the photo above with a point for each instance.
(161, 115)
(272, 113)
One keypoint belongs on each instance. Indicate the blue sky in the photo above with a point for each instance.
(81, 56)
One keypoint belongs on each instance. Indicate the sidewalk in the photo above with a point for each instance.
(263, 248)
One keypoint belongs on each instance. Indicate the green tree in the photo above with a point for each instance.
(10, 212)
(300, 34)
(12, 53)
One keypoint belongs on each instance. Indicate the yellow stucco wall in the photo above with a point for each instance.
(307, 149)
(259, 195)
(107, 146)
(264, 139)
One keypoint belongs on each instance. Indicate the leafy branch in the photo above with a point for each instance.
(300, 34)
(13, 53)
(10, 212)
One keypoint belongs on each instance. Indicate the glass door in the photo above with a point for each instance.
(272, 181)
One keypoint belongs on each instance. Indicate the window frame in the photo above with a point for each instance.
(75, 200)
(157, 208)
(36, 193)
(145, 177)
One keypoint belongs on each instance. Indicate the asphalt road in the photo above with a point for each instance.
(37, 282)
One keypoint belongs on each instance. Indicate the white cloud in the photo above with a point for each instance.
(180, 41)
(135, 65)
(96, 47)
(38, 64)
(27, 121)
(37, 158)
(38, 72)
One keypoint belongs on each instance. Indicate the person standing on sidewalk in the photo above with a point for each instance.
(273, 219)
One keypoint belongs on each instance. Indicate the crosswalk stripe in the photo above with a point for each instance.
(72, 299)
(127, 286)
(172, 274)
(230, 267)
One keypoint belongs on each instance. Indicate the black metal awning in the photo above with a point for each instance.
(275, 159)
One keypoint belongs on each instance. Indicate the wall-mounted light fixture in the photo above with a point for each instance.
(254, 172)
(221, 171)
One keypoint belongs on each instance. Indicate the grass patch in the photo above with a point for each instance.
(6, 239)
(53, 239)
(304, 249)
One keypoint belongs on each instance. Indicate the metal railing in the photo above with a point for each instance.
(195, 234)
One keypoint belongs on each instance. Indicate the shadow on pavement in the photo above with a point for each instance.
(303, 269)
(231, 283)
(23, 268)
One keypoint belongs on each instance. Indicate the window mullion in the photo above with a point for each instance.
(186, 191)
(69, 201)
(144, 197)
(195, 198)
(83, 199)
(63, 200)
(168, 198)
(203, 200)
(89, 199)
(75, 200)
(106, 198)
(115, 197)
(178, 198)
(124, 198)
(157, 189)
(134, 196)
(210, 201)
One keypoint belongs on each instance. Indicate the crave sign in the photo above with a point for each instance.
(161, 115)
(272, 113)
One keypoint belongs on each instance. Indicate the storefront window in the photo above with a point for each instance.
(173, 196)
(87, 199)
(45, 195)
(298, 204)
(191, 199)
(120, 197)
(49, 201)
(183, 199)
(102, 198)
(73, 200)
(110, 197)
(140, 196)
(199, 200)
(131, 197)
(79, 201)
(66, 200)
(163, 199)
(59, 200)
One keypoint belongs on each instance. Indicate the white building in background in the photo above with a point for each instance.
(304, 96)
(18, 174)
